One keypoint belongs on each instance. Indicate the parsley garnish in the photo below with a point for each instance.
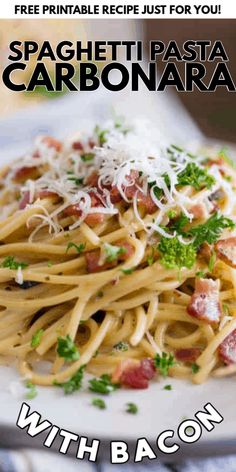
(150, 258)
(67, 349)
(49, 264)
(87, 157)
(171, 214)
(223, 154)
(195, 176)
(176, 254)
(201, 274)
(179, 224)
(211, 230)
(132, 408)
(79, 248)
(10, 263)
(113, 252)
(32, 391)
(164, 362)
(74, 383)
(102, 385)
(121, 346)
(212, 262)
(195, 368)
(36, 338)
(101, 134)
(77, 180)
(167, 387)
(99, 403)
(127, 271)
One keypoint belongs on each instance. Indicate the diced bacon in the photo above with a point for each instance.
(93, 258)
(187, 354)
(24, 201)
(205, 302)
(94, 219)
(91, 219)
(226, 250)
(78, 146)
(134, 374)
(92, 262)
(25, 173)
(146, 202)
(205, 252)
(91, 143)
(115, 195)
(92, 179)
(46, 194)
(52, 143)
(199, 211)
(42, 194)
(227, 349)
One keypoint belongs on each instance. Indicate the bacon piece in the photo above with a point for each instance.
(227, 349)
(92, 219)
(187, 354)
(92, 179)
(205, 302)
(25, 173)
(226, 250)
(93, 258)
(52, 143)
(205, 252)
(46, 194)
(92, 262)
(78, 146)
(135, 374)
(24, 200)
(199, 211)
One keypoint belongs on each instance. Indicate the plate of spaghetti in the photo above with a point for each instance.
(118, 267)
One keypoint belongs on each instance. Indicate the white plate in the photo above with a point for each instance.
(158, 409)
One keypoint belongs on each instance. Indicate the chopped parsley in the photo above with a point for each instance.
(131, 408)
(99, 403)
(77, 180)
(67, 349)
(36, 338)
(113, 252)
(74, 383)
(171, 214)
(87, 157)
(150, 258)
(195, 176)
(101, 134)
(195, 368)
(212, 262)
(167, 387)
(32, 391)
(223, 154)
(49, 264)
(201, 274)
(79, 247)
(10, 263)
(127, 271)
(121, 346)
(211, 230)
(175, 254)
(102, 385)
(164, 362)
(179, 224)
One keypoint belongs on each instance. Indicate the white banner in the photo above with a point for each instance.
(184, 9)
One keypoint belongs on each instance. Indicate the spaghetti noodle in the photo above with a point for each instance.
(117, 253)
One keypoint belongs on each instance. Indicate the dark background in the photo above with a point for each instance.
(215, 112)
